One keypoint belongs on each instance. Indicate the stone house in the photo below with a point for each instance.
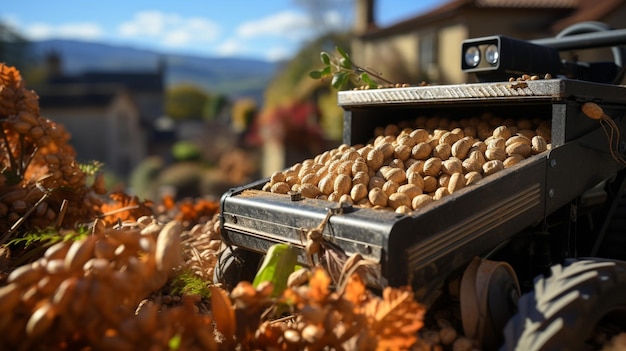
(111, 116)
(427, 47)
(103, 121)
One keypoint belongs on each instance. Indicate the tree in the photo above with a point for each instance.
(295, 73)
(243, 112)
(185, 102)
(214, 106)
(293, 83)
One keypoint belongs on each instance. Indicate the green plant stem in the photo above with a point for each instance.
(359, 69)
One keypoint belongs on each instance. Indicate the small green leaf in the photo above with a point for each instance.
(325, 58)
(367, 80)
(315, 74)
(345, 63)
(279, 263)
(339, 79)
(342, 53)
(346, 78)
(326, 71)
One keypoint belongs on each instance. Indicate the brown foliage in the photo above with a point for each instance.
(321, 318)
(93, 293)
(124, 207)
(40, 179)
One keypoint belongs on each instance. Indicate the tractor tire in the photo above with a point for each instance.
(563, 310)
(235, 265)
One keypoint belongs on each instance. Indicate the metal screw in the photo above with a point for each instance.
(341, 207)
(295, 195)
(551, 193)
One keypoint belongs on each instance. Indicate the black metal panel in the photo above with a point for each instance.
(466, 224)
(578, 166)
(274, 218)
(438, 239)
(570, 123)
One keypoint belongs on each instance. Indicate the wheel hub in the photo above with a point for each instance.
(489, 293)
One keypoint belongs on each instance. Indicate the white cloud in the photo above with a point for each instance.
(237, 47)
(277, 54)
(333, 19)
(172, 29)
(148, 23)
(230, 47)
(289, 24)
(273, 36)
(82, 30)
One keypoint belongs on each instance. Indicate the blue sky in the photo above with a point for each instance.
(268, 30)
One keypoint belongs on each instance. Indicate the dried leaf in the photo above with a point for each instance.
(395, 319)
(318, 286)
(193, 209)
(124, 207)
(368, 271)
(223, 314)
(354, 290)
(334, 260)
(168, 201)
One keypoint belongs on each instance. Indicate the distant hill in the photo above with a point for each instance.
(231, 76)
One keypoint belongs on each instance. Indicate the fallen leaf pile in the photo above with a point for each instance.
(40, 178)
(81, 269)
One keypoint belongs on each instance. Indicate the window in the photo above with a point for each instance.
(427, 53)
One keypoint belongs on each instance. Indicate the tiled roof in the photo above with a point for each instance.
(132, 80)
(78, 95)
(97, 89)
(528, 3)
(587, 10)
(573, 11)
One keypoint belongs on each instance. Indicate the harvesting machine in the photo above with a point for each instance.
(538, 247)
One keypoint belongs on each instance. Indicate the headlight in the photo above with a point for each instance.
(499, 58)
(492, 54)
(472, 56)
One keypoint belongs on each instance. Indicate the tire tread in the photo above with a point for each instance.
(548, 317)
